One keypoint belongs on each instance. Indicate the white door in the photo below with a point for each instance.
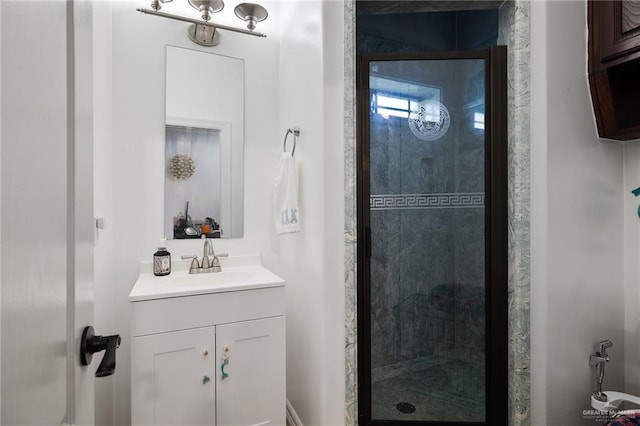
(46, 212)
(252, 390)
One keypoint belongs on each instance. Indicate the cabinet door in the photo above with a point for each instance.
(619, 27)
(253, 393)
(172, 378)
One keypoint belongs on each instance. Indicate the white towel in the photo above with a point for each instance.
(285, 200)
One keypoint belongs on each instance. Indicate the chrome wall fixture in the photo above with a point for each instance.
(295, 131)
(204, 32)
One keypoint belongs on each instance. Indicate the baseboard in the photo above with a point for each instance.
(292, 416)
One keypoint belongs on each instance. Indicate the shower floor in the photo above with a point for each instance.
(435, 386)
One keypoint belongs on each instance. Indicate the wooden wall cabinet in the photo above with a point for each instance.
(614, 67)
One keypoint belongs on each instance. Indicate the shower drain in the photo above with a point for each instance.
(405, 407)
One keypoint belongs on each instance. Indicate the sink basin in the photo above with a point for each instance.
(237, 274)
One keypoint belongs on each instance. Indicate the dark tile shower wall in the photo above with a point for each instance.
(469, 229)
(426, 32)
(427, 264)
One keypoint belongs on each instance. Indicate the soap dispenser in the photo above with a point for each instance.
(162, 260)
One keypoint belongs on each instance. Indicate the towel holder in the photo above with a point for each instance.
(295, 131)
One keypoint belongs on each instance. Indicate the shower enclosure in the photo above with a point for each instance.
(432, 216)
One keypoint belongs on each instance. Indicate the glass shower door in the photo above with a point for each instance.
(434, 277)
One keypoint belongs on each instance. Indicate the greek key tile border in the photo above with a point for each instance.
(426, 201)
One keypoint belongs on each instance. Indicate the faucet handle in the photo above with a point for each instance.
(596, 359)
(194, 262)
(215, 264)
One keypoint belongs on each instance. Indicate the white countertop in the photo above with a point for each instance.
(238, 273)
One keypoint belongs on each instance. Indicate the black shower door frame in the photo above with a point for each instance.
(496, 246)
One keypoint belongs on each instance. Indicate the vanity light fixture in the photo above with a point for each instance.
(204, 32)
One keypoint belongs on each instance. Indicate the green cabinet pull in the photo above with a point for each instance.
(225, 362)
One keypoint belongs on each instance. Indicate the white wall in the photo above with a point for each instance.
(138, 151)
(334, 209)
(631, 268)
(577, 286)
(0, 219)
(293, 77)
(312, 96)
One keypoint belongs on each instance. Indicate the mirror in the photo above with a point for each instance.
(204, 145)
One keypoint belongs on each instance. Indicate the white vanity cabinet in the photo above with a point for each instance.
(181, 338)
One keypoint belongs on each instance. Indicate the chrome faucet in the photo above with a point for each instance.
(207, 250)
(209, 262)
(598, 360)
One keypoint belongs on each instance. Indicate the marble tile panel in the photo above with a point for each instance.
(515, 23)
(350, 226)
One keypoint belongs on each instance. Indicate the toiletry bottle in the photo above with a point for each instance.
(162, 261)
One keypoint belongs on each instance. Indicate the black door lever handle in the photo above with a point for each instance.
(91, 344)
